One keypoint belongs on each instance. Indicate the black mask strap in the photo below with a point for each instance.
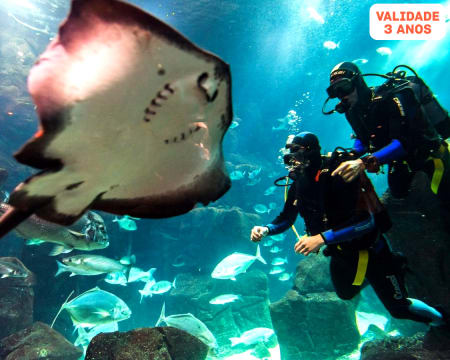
(323, 108)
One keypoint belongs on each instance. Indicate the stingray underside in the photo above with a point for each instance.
(132, 118)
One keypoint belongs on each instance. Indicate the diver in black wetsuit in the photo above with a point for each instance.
(334, 216)
(394, 129)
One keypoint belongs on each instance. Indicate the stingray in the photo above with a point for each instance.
(132, 117)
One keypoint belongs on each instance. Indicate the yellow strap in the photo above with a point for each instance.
(363, 260)
(437, 174)
(285, 198)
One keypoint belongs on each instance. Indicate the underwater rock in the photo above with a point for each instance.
(16, 299)
(420, 231)
(193, 293)
(406, 348)
(38, 341)
(312, 275)
(314, 326)
(160, 343)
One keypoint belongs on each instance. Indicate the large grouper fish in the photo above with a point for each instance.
(88, 233)
(132, 117)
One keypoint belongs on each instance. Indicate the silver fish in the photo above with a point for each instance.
(96, 307)
(252, 336)
(189, 323)
(9, 269)
(90, 265)
(235, 264)
(224, 299)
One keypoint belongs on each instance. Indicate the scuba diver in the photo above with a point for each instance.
(349, 220)
(399, 123)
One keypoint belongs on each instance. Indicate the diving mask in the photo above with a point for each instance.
(341, 88)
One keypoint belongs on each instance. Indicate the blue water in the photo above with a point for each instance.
(279, 65)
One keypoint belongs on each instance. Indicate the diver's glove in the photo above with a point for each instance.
(349, 170)
(258, 232)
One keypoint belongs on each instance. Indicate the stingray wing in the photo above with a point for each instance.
(132, 118)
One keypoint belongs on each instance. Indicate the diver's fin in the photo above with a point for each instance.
(60, 249)
(4, 276)
(162, 316)
(259, 257)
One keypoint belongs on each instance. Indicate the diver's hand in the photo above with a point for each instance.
(349, 170)
(308, 244)
(258, 232)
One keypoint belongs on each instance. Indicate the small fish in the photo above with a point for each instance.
(126, 223)
(96, 307)
(360, 61)
(275, 250)
(235, 264)
(116, 278)
(313, 14)
(252, 336)
(234, 124)
(276, 270)
(190, 324)
(267, 242)
(278, 237)
(162, 287)
(224, 299)
(137, 274)
(128, 260)
(279, 261)
(179, 261)
(260, 208)
(153, 287)
(270, 190)
(284, 277)
(11, 270)
(90, 265)
(384, 51)
(237, 175)
(253, 174)
(331, 45)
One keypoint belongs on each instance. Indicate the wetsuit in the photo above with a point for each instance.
(396, 131)
(329, 207)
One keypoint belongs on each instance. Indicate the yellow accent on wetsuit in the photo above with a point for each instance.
(363, 261)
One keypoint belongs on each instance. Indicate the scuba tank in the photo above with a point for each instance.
(436, 114)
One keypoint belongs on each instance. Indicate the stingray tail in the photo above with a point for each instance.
(11, 218)
(61, 309)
